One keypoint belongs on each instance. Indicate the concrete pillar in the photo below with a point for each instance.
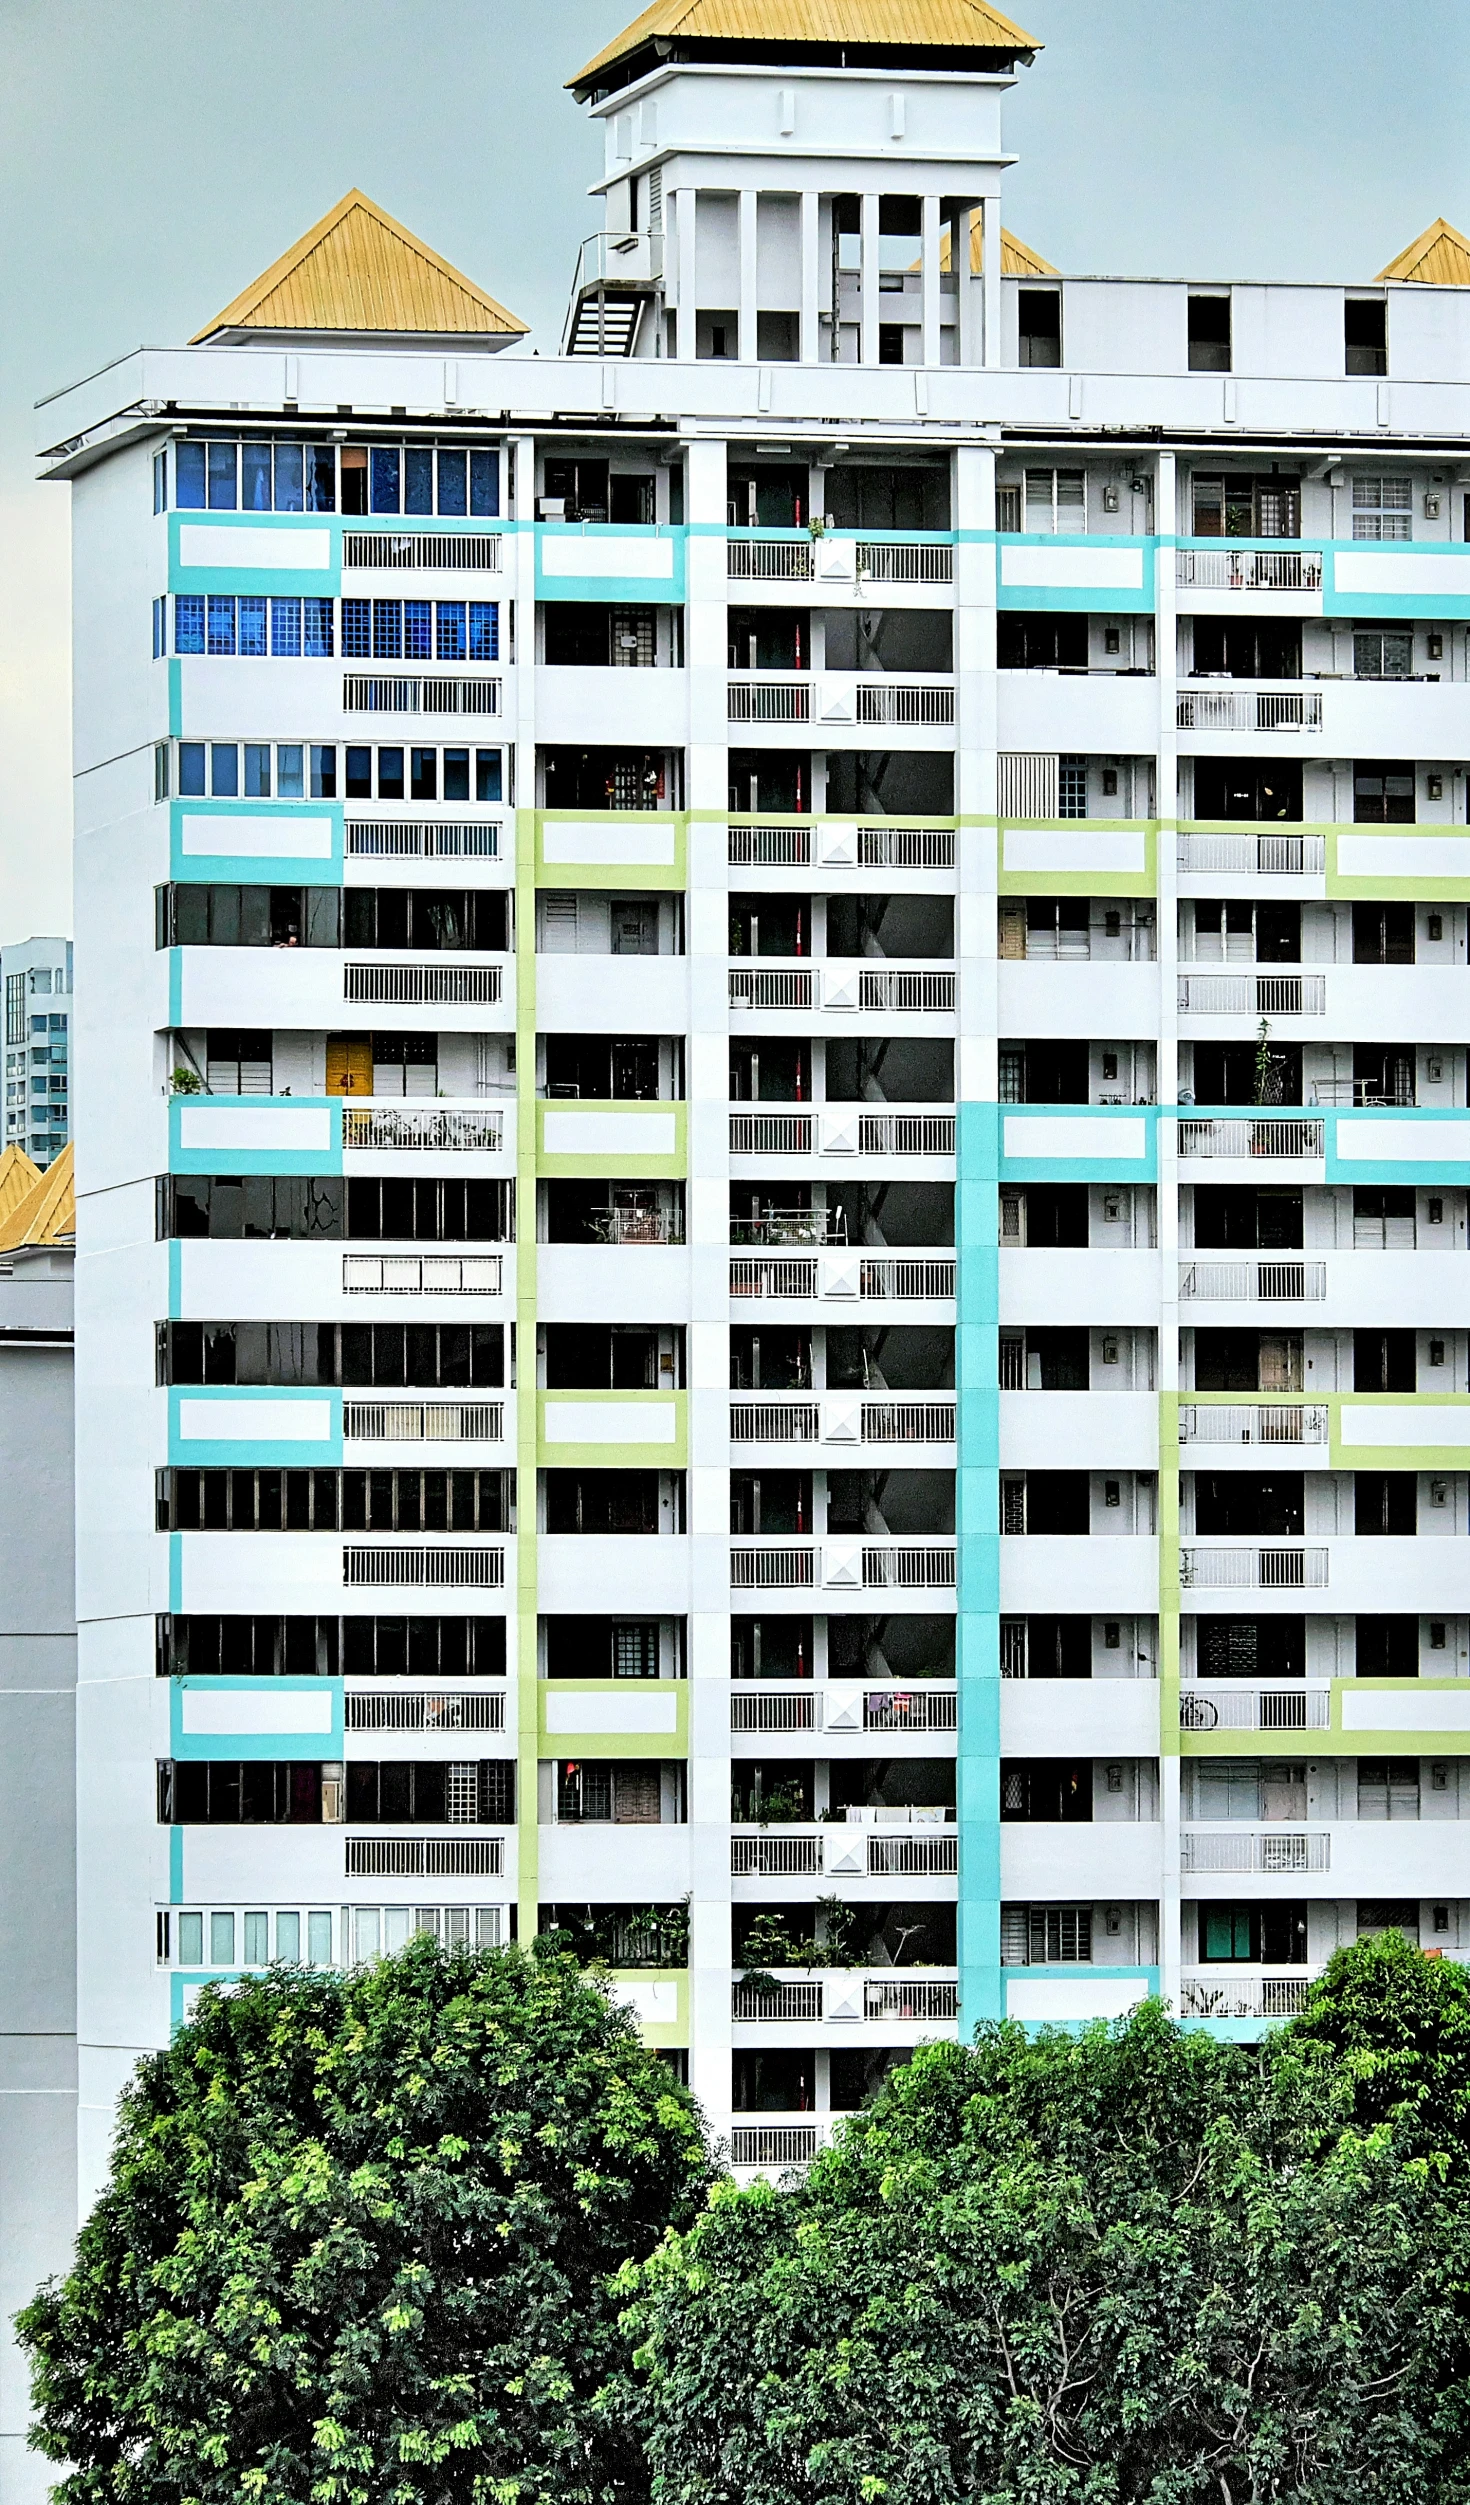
(685, 297)
(811, 302)
(868, 337)
(990, 278)
(747, 308)
(929, 251)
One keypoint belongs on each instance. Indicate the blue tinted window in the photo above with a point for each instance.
(324, 774)
(417, 639)
(289, 478)
(286, 628)
(252, 628)
(385, 479)
(221, 478)
(288, 773)
(452, 482)
(257, 770)
(484, 630)
(487, 773)
(387, 630)
(452, 646)
(316, 620)
(255, 477)
(189, 622)
(189, 477)
(456, 773)
(191, 769)
(485, 484)
(418, 480)
(221, 614)
(321, 478)
(357, 630)
(224, 771)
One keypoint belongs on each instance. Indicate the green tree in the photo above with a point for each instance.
(358, 2242)
(1400, 2024)
(1131, 2264)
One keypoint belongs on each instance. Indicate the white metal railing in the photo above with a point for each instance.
(361, 694)
(1256, 1709)
(899, 561)
(869, 1422)
(880, 700)
(425, 1712)
(1266, 1569)
(1284, 1422)
(422, 1274)
(906, 847)
(1215, 1995)
(1361, 1092)
(423, 1421)
(425, 1856)
(913, 1856)
(1249, 569)
(775, 1422)
(906, 1275)
(1253, 1282)
(770, 847)
(420, 1126)
(906, 1135)
(765, 1707)
(1251, 855)
(770, 1134)
(908, 1422)
(916, 1998)
(771, 987)
(770, 560)
(1251, 1135)
(1258, 1853)
(774, 1274)
(1253, 995)
(774, 2143)
(772, 1569)
(891, 987)
(1249, 709)
(775, 1856)
(417, 986)
(910, 1709)
(422, 839)
(899, 1277)
(780, 2002)
(446, 551)
(472, 1569)
(775, 1709)
(900, 1567)
(769, 700)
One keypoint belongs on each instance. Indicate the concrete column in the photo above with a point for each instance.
(747, 307)
(1166, 812)
(811, 302)
(969, 311)
(990, 278)
(929, 250)
(685, 297)
(868, 338)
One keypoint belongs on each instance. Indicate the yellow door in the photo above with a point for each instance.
(349, 1065)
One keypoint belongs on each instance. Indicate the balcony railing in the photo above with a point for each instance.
(1265, 1569)
(1252, 1282)
(1251, 1135)
(1249, 569)
(415, 1712)
(1249, 709)
(901, 561)
(913, 1856)
(1259, 1853)
(771, 1134)
(845, 1565)
(1253, 995)
(1361, 1092)
(1284, 1422)
(769, 700)
(779, 2003)
(422, 839)
(843, 1422)
(879, 700)
(893, 987)
(419, 986)
(425, 1856)
(1253, 855)
(771, 987)
(771, 847)
(840, 987)
(776, 1856)
(1216, 1995)
(905, 847)
(772, 1569)
(917, 1998)
(443, 551)
(429, 1569)
(421, 1127)
(1256, 1709)
(422, 1274)
(905, 1135)
(423, 1421)
(810, 1707)
(372, 694)
(885, 1276)
(774, 2144)
(771, 560)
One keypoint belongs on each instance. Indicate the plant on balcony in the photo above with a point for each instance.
(357, 2244)
(186, 1082)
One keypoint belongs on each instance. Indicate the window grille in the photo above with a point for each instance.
(1383, 508)
(1026, 786)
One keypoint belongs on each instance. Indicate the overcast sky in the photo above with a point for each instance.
(155, 155)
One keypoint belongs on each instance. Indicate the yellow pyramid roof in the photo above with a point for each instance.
(18, 1179)
(935, 25)
(48, 1213)
(1017, 260)
(1440, 257)
(359, 270)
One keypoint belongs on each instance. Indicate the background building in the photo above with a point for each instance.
(35, 976)
(774, 1058)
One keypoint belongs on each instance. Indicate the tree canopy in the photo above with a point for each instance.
(1399, 2023)
(1134, 2263)
(358, 2241)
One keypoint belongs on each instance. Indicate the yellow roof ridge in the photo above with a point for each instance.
(48, 1213)
(948, 25)
(1440, 257)
(18, 1179)
(1017, 260)
(358, 269)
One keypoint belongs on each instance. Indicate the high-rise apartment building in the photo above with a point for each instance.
(774, 1129)
(35, 984)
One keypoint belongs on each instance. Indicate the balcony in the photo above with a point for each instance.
(1274, 1423)
(1214, 851)
(423, 1421)
(842, 988)
(1277, 1135)
(420, 986)
(839, 1707)
(1252, 995)
(435, 1129)
(424, 1711)
(1265, 1853)
(871, 1277)
(423, 839)
(840, 1131)
(842, 1418)
(769, 557)
(840, 1998)
(1248, 569)
(1294, 1708)
(838, 844)
(1222, 1992)
(422, 551)
(1267, 1569)
(1252, 1282)
(928, 1850)
(375, 693)
(843, 1565)
(423, 1274)
(1257, 711)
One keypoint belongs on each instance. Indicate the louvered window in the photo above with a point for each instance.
(1056, 500)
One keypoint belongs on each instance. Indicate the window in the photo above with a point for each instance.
(437, 1793)
(1365, 335)
(260, 477)
(218, 624)
(420, 630)
(1383, 508)
(160, 627)
(1056, 500)
(336, 1500)
(890, 343)
(160, 481)
(1388, 1787)
(609, 1793)
(1383, 652)
(224, 769)
(1209, 334)
(360, 1356)
(222, 1792)
(1383, 794)
(237, 1062)
(1046, 1935)
(1265, 507)
(249, 917)
(1071, 787)
(160, 770)
(15, 1008)
(1039, 324)
(1385, 1504)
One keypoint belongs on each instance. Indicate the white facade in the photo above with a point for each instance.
(851, 1329)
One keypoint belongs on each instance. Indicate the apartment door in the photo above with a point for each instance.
(349, 1065)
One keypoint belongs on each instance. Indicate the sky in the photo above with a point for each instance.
(155, 155)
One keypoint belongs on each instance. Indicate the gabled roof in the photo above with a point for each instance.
(1017, 260)
(859, 26)
(18, 1179)
(358, 270)
(1440, 257)
(48, 1213)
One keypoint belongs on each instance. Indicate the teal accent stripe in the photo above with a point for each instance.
(978, 1500)
(175, 1278)
(175, 1572)
(176, 987)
